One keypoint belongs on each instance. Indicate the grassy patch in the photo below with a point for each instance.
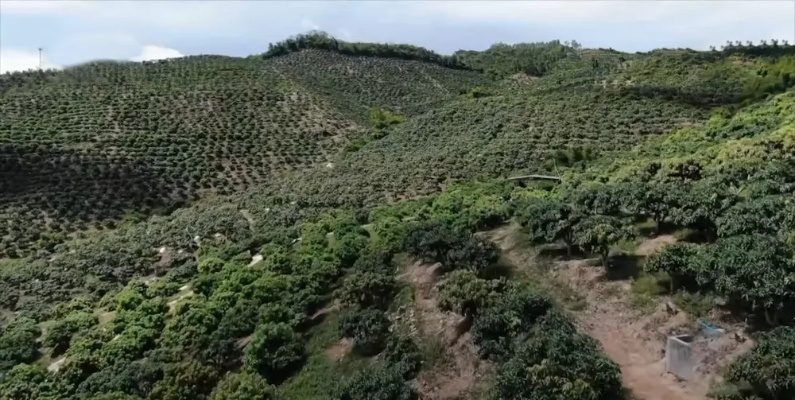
(647, 227)
(566, 296)
(432, 349)
(538, 269)
(686, 235)
(613, 291)
(645, 290)
(404, 297)
(728, 391)
(697, 305)
(626, 246)
(320, 375)
(105, 317)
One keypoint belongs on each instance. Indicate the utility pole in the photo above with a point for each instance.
(40, 50)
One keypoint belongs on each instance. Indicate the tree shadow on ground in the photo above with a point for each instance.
(624, 267)
(560, 252)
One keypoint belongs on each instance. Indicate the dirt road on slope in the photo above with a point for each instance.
(633, 340)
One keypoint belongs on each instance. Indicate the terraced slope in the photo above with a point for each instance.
(523, 124)
(81, 148)
(312, 285)
(356, 83)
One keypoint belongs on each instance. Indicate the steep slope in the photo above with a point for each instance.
(354, 84)
(81, 148)
(580, 109)
(290, 286)
(523, 124)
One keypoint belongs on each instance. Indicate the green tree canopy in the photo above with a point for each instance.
(275, 351)
(243, 386)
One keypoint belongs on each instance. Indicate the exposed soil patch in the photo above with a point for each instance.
(56, 365)
(184, 292)
(339, 350)
(637, 341)
(521, 77)
(457, 374)
(633, 340)
(458, 371)
(654, 244)
(105, 317)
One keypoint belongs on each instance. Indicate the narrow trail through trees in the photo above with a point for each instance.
(633, 342)
(642, 363)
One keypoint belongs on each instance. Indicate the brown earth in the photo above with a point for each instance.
(635, 341)
(339, 350)
(457, 371)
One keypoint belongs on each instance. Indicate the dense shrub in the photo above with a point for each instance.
(679, 261)
(243, 386)
(768, 370)
(369, 329)
(475, 254)
(379, 383)
(511, 313)
(18, 343)
(59, 335)
(275, 351)
(185, 381)
(432, 240)
(379, 262)
(367, 289)
(403, 354)
(463, 292)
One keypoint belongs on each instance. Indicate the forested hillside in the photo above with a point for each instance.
(83, 148)
(317, 222)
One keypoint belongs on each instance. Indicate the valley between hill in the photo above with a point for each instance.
(332, 220)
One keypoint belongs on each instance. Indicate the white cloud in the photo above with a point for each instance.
(696, 23)
(344, 34)
(606, 11)
(184, 14)
(12, 60)
(309, 25)
(119, 29)
(33, 7)
(151, 52)
(21, 60)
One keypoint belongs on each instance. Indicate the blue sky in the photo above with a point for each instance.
(73, 32)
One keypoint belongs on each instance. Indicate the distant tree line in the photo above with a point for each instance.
(534, 59)
(323, 41)
(500, 60)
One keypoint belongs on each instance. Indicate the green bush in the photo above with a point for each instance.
(511, 313)
(369, 329)
(60, 334)
(475, 254)
(243, 386)
(367, 289)
(403, 354)
(378, 383)
(18, 343)
(767, 371)
(275, 351)
(463, 292)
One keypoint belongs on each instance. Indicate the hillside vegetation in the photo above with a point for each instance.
(304, 224)
(83, 148)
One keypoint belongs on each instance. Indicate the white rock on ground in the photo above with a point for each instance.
(257, 258)
(56, 365)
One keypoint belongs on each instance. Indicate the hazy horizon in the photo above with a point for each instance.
(75, 32)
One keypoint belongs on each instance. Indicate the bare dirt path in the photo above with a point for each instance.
(624, 338)
(633, 340)
(457, 372)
